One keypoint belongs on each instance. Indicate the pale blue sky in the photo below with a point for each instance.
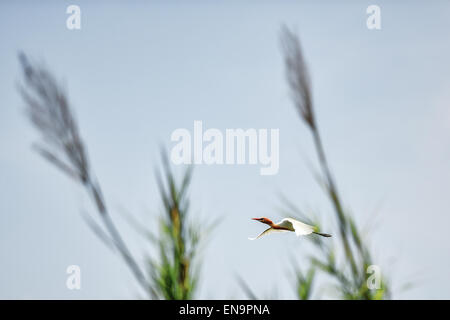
(137, 71)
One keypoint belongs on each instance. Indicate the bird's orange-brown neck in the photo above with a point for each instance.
(270, 223)
(265, 221)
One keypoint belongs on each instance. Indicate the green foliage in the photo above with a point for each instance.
(304, 283)
(173, 274)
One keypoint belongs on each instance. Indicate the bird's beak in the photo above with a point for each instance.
(257, 219)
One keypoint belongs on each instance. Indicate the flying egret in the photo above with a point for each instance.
(288, 224)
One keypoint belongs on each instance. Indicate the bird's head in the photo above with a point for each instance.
(263, 220)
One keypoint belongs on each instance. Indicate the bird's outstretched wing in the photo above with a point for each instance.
(300, 228)
(266, 232)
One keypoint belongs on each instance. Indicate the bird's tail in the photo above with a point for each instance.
(323, 234)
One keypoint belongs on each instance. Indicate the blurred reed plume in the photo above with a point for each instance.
(351, 276)
(172, 276)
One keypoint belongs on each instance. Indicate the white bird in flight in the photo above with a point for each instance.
(286, 225)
